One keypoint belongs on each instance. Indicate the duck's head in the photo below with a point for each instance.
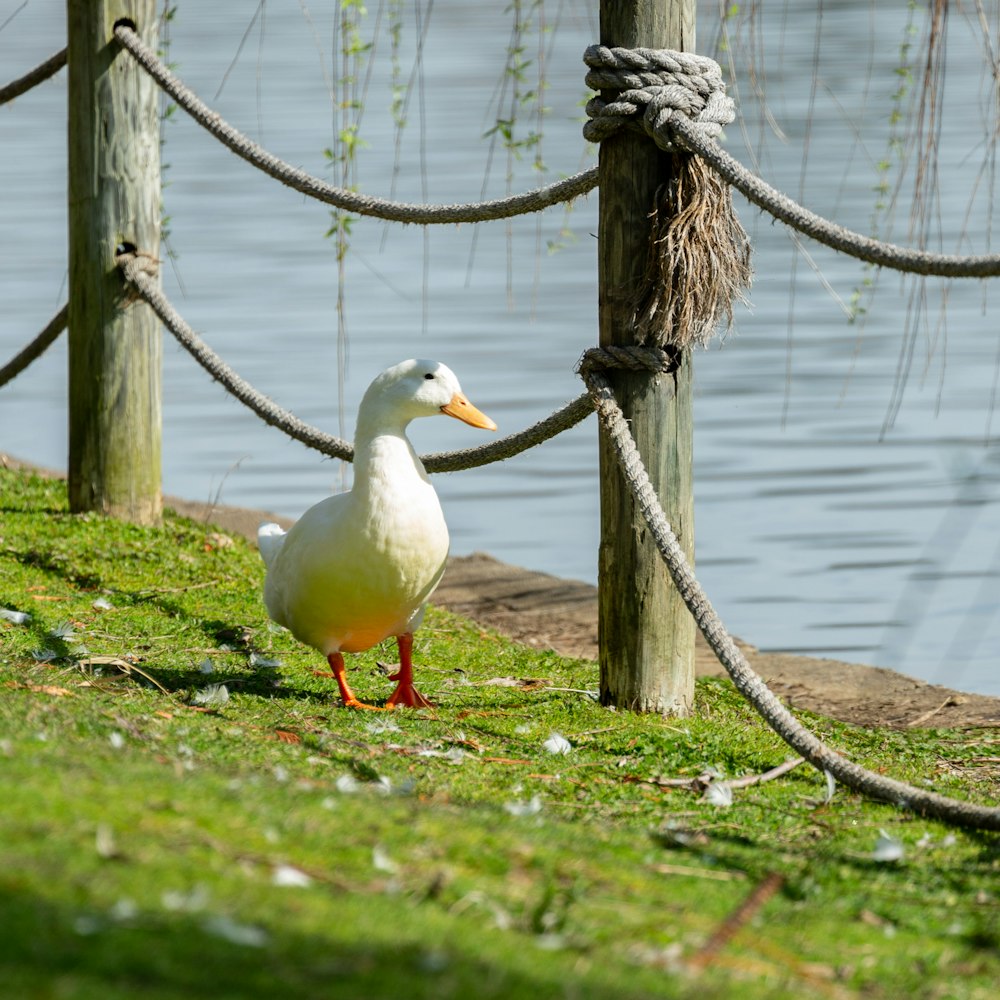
(419, 388)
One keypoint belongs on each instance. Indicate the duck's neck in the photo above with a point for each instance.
(382, 453)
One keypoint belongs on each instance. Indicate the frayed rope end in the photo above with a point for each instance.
(699, 259)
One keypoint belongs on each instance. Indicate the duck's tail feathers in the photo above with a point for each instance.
(270, 538)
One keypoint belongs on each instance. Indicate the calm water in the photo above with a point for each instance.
(821, 527)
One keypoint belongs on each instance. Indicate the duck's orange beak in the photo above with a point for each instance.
(460, 407)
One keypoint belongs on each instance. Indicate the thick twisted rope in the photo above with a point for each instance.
(747, 681)
(350, 201)
(136, 270)
(633, 359)
(678, 100)
(33, 77)
(698, 257)
(666, 114)
(507, 447)
(36, 348)
(679, 112)
(823, 230)
(655, 85)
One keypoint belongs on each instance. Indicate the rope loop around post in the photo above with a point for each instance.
(678, 99)
(655, 86)
(698, 257)
(656, 360)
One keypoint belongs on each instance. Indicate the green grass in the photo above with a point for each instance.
(145, 836)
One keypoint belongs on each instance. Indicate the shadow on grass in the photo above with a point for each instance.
(48, 511)
(67, 951)
(266, 682)
(185, 683)
(56, 565)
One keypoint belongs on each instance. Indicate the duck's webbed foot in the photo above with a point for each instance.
(406, 694)
(354, 703)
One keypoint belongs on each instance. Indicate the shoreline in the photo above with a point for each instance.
(548, 612)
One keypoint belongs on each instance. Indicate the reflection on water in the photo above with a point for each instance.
(820, 529)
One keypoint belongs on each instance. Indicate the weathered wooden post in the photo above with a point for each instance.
(646, 633)
(114, 198)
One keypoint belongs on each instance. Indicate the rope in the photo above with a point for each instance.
(32, 78)
(667, 114)
(656, 86)
(678, 100)
(671, 85)
(496, 451)
(823, 230)
(636, 359)
(135, 267)
(350, 201)
(747, 681)
(698, 255)
(36, 348)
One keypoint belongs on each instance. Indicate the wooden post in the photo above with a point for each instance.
(646, 634)
(114, 198)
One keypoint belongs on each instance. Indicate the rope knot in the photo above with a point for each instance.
(634, 358)
(656, 86)
(135, 266)
(698, 259)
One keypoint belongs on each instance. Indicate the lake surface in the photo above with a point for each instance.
(842, 509)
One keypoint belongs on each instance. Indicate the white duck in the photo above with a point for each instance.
(359, 567)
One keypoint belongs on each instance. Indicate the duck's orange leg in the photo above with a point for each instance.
(406, 693)
(336, 661)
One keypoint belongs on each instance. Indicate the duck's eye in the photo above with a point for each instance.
(429, 375)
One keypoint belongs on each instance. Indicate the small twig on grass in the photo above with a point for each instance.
(124, 666)
(147, 591)
(710, 873)
(521, 683)
(322, 735)
(753, 779)
(126, 726)
(920, 719)
(696, 784)
(741, 916)
(706, 778)
(593, 695)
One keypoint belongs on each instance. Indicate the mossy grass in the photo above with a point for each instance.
(187, 811)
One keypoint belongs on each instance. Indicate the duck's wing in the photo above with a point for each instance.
(270, 538)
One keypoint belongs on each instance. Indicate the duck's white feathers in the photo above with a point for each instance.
(391, 545)
(359, 567)
(270, 538)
